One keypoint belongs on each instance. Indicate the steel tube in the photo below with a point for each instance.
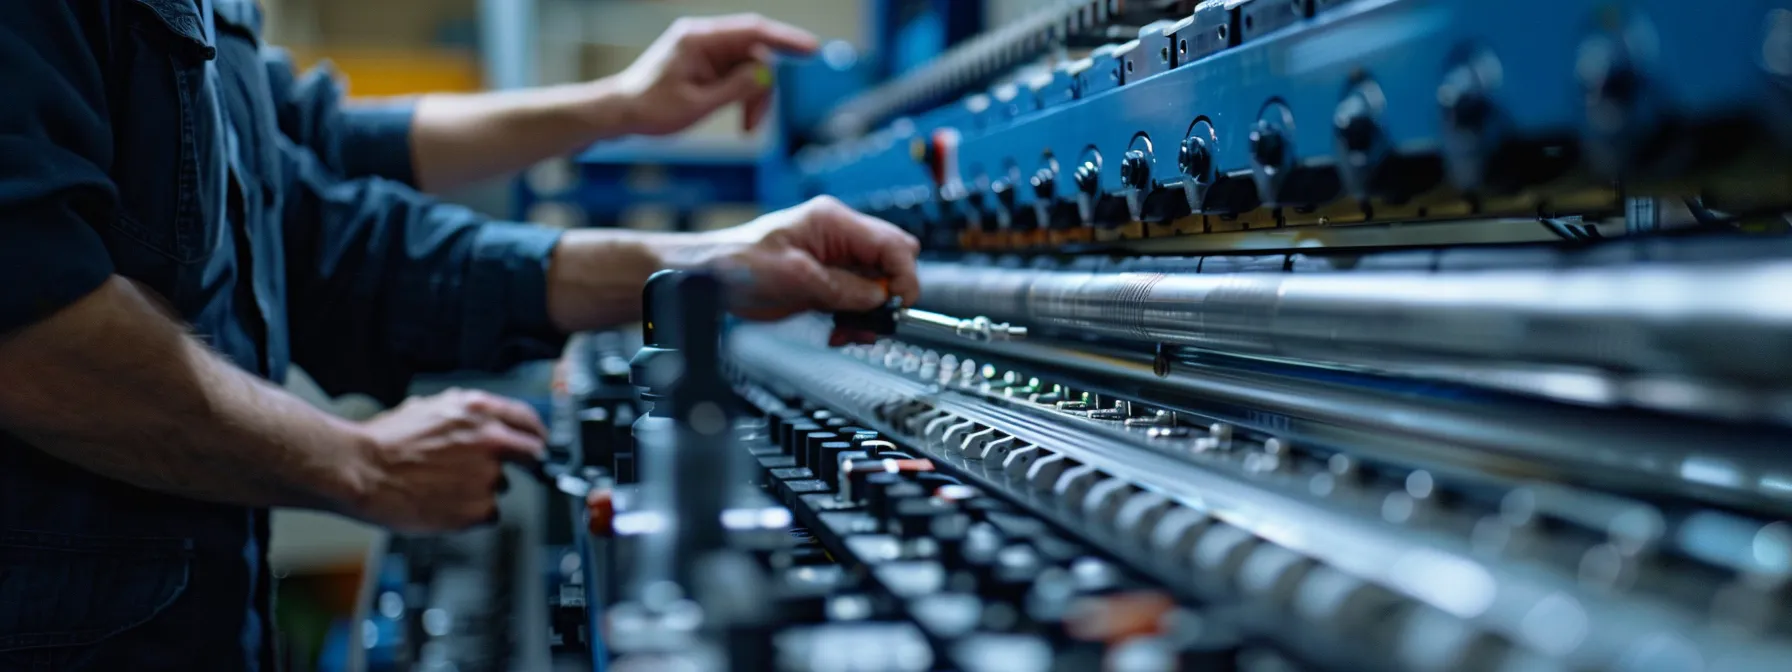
(1729, 322)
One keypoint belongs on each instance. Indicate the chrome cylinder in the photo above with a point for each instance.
(1708, 321)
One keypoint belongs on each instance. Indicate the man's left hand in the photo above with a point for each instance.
(702, 65)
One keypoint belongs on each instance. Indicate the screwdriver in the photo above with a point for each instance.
(867, 326)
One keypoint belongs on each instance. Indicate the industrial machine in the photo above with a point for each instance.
(1254, 335)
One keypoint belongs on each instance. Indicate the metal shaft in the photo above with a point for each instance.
(1728, 322)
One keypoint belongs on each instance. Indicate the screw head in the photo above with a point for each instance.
(1003, 189)
(1193, 157)
(1464, 100)
(1088, 176)
(1135, 169)
(1355, 124)
(1044, 184)
(1607, 72)
(1267, 145)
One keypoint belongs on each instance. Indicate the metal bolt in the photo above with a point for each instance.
(1194, 158)
(1355, 122)
(1088, 177)
(1268, 146)
(1221, 434)
(1611, 80)
(1003, 189)
(1135, 169)
(1606, 71)
(1044, 184)
(1464, 99)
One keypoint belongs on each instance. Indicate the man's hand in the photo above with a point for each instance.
(700, 65)
(820, 255)
(697, 67)
(435, 463)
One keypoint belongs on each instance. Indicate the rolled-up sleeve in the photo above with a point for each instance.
(384, 283)
(54, 142)
(358, 139)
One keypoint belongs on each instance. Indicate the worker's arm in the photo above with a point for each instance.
(93, 372)
(111, 384)
(697, 67)
(815, 256)
(384, 282)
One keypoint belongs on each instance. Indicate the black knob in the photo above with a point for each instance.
(884, 498)
(827, 463)
(1088, 177)
(1355, 122)
(796, 434)
(1015, 569)
(1268, 146)
(913, 518)
(981, 543)
(776, 422)
(859, 476)
(837, 424)
(1135, 169)
(1045, 184)
(949, 531)
(1194, 158)
(810, 456)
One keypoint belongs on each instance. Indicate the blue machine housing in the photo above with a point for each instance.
(1543, 71)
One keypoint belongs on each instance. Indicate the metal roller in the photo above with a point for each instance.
(1727, 322)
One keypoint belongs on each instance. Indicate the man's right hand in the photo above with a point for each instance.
(435, 463)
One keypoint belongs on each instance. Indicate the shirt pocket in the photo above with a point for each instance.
(60, 593)
(166, 122)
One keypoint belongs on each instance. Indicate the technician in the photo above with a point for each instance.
(182, 219)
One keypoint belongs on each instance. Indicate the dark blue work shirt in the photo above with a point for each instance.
(145, 139)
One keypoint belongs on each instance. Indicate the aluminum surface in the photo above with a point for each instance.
(1699, 320)
(1639, 453)
(1423, 561)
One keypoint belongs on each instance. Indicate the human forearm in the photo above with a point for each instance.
(814, 256)
(697, 67)
(461, 138)
(113, 385)
(595, 275)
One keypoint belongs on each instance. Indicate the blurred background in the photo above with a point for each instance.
(406, 47)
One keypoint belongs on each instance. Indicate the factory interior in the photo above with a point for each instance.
(1254, 335)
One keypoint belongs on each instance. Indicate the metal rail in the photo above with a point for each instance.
(975, 62)
(1632, 452)
(1426, 563)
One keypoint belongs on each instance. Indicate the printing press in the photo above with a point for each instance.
(1254, 335)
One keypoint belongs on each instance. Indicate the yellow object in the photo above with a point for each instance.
(376, 72)
(764, 75)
